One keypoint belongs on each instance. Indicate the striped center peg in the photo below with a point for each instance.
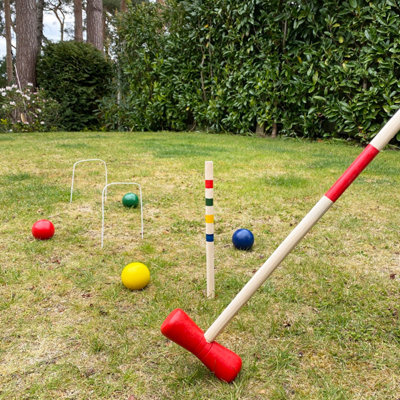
(209, 186)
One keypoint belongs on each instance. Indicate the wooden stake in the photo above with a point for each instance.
(209, 195)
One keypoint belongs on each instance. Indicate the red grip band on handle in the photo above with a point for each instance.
(352, 172)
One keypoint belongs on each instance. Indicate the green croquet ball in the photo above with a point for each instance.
(130, 200)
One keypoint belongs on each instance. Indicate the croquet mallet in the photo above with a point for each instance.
(223, 362)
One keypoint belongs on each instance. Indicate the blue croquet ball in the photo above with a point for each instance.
(243, 239)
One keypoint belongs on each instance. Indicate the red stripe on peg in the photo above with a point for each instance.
(209, 184)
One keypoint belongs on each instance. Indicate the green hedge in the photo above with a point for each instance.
(312, 68)
(78, 76)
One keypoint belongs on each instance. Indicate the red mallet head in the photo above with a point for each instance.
(182, 330)
(43, 229)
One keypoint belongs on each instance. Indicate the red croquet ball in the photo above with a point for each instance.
(43, 229)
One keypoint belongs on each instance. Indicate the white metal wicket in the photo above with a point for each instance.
(73, 173)
(102, 206)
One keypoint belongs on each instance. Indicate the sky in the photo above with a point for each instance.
(51, 29)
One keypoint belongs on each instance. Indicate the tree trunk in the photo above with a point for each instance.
(9, 61)
(124, 7)
(260, 130)
(78, 21)
(27, 45)
(61, 20)
(95, 23)
(274, 132)
(39, 26)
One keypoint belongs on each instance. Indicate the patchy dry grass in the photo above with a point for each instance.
(325, 326)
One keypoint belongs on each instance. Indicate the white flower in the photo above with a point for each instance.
(14, 87)
(8, 87)
(12, 103)
(41, 122)
(26, 96)
(29, 84)
(39, 110)
(2, 89)
(3, 93)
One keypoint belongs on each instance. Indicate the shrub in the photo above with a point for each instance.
(310, 68)
(3, 74)
(140, 46)
(77, 75)
(27, 111)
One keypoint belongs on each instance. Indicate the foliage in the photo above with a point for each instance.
(140, 46)
(3, 73)
(317, 69)
(77, 76)
(27, 111)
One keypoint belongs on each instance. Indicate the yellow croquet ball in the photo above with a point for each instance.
(135, 276)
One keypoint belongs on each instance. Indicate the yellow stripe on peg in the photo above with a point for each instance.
(209, 219)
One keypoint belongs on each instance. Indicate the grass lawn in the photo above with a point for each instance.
(324, 326)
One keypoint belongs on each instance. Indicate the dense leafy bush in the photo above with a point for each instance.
(3, 74)
(311, 68)
(141, 50)
(27, 111)
(77, 75)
